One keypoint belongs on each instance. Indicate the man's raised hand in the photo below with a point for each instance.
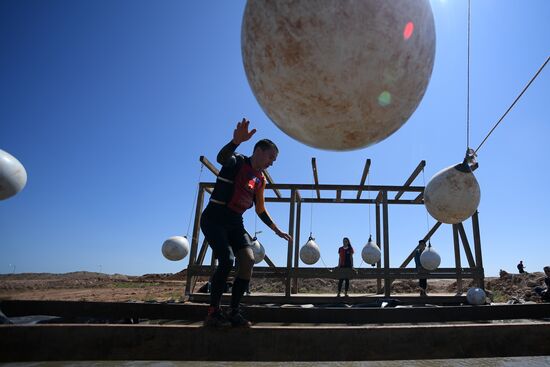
(241, 133)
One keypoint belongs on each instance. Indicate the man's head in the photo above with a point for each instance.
(265, 153)
(421, 244)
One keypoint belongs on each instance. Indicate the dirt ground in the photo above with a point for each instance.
(89, 286)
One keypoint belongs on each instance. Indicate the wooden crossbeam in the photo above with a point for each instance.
(410, 180)
(270, 181)
(209, 165)
(315, 177)
(364, 177)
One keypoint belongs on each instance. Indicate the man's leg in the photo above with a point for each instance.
(346, 286)
(245, 258)
(340, 281)
(216, 235)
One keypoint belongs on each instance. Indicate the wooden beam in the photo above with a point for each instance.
(385, 214)
(309, 343)
(363, 177)
(378, 236)
(419, 198)
(477, 249)
(341, 201)
(270, 181)
(259, 313)
(315, 177)
(209, 165)
(338, 195)
(269, 262)
(426, 238)
(458, 265)
(290, 242)
(194, 240)
(297, 244)
(409, 181)
(332, 187)
(466, 245)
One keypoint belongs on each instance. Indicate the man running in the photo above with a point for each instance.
(240, 184)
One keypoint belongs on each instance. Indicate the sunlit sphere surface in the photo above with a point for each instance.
(13, 176)
(476, 296)
(371, 253)
(310, 252)
(338, 75)
(430, 259)
(452, 195)
(175, 248)
(258, 250)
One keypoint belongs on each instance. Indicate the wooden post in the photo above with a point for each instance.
(458, 265)
(387, 280)
(378, 243)
(480, 275)
(290, 243)
(194, 240)
(466, 245)
(297, 246)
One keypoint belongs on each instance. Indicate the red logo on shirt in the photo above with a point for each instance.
(252, 183)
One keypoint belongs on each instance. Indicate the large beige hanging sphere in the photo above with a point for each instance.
(13, 175)
(258, 250)
(371, 253)
(452, 195)
(175, 248)
(338, 75)
(310, 252)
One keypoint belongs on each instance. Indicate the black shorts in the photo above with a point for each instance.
(224, 228)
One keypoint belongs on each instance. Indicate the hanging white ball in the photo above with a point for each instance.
(430, 259)
(476, 296)
(258, 250)
(310, 252)
(452, 195)
(371, 253)
(175, 248)
(338, 75)
(13, 176)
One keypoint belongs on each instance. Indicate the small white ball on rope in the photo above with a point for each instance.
(371, 252)
(310, 252)
(453, 194)
(175, 248)
(13, 176)
(258, 250)
(476, 296)
(430, 259)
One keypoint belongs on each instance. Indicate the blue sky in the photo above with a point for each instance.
(109, 104)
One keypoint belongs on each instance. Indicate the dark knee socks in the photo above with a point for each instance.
(219, 282)
(239, 286)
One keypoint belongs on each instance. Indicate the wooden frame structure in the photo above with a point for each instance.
(384, 197)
